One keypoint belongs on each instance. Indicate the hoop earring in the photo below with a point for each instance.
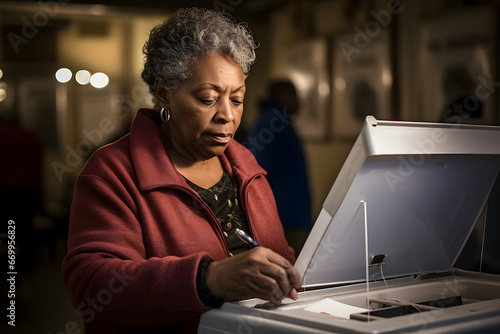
(165, 115)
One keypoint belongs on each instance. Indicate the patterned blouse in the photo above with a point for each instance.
(222, 199)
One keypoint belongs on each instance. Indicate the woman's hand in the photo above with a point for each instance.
(259, 273)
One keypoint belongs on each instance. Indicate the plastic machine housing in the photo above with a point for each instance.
(389, 233)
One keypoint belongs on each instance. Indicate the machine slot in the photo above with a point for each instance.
(395, 308)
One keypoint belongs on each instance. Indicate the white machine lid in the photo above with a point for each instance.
(421, 187)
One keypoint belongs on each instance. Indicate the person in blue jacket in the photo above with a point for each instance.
(278, 150)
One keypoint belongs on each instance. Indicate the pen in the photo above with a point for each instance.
(246, 238)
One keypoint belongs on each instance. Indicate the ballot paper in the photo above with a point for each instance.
(334, 308)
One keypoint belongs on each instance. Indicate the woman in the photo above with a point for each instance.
(152, 240)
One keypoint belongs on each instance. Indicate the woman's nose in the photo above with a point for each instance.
(225, 111)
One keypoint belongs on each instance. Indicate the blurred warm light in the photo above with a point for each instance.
(63, 75)
(97, 10)
(323, 89)
(339, 84)
(99, 80)
(1, 74)
(386, 78)
(302, 81)
(82, 77)
(3, 91)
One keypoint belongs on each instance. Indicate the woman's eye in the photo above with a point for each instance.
(207, 102)
(237, 102)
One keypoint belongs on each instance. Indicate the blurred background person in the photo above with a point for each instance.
(278, 149)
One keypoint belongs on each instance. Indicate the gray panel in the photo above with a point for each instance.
(424, 186)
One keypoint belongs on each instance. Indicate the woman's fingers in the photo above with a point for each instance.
(280, 277)
(259, 273)
(286, 275)
(269, 291)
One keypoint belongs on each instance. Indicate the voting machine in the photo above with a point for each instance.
(380, 256)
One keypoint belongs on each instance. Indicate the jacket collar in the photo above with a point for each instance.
(153, 167)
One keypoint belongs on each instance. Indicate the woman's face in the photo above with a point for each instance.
(206, 108)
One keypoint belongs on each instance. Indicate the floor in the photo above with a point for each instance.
(42, 303)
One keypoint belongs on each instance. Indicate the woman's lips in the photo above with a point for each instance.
(222, 138)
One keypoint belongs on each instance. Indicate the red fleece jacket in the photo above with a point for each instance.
(138, 233)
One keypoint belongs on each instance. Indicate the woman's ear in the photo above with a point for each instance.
(160, 92)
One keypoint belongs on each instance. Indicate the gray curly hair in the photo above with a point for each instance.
(191, 32)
